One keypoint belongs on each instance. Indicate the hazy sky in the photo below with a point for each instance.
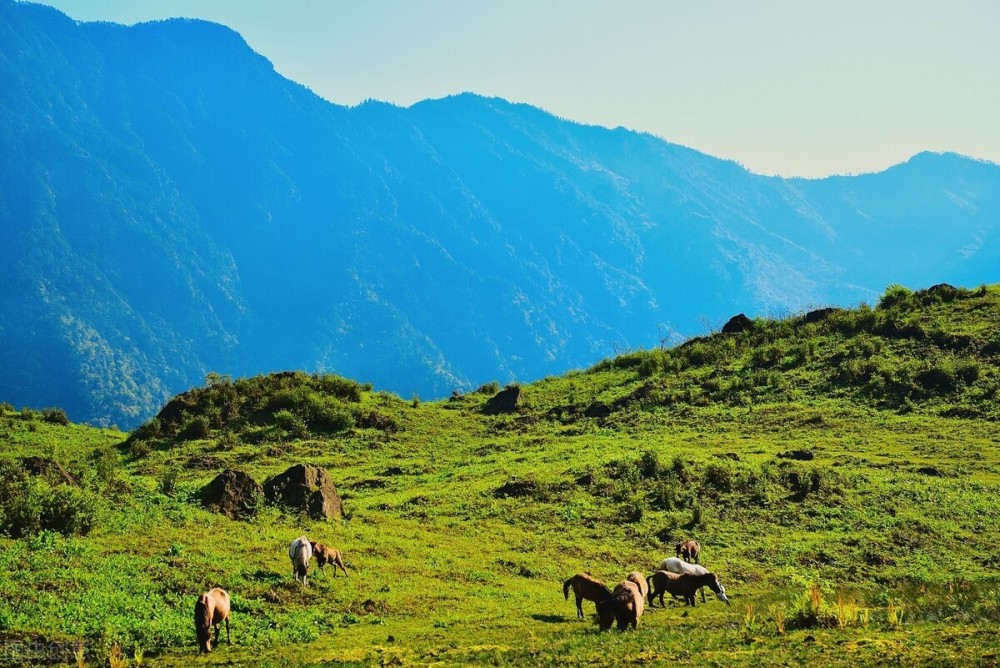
(791, 87)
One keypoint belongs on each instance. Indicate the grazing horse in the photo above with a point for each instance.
(328, 555)
(684, 586)
(211, 609)
(639, 580)
(675, 565)
(625, 606)
(689, 551)
(300, 552)
(585, 587)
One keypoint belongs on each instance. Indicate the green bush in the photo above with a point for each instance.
(148, 430)
(197, 427)
(649, 465)
(20, 503)
(28, 505)
(488, 388)
(168, 481)
(55, 416)
(896, 295)
(69, 510)
(291, 424)
(719, 477)
(106, 465)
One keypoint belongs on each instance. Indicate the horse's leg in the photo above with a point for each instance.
(341, 564)
(218, 628)
(702, 590)
(579, 606)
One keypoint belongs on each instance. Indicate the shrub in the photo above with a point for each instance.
(196, 428)
(69, 510)
(719, 477)
(327, 416)
(632, 511)
(106, 466)
(6, 407)
(139, 449)
(168, 481)
(55, 416)
(649, 465)
(488, 388)
(149, 429)
(896, 295)
(20, 504)
(291, 424)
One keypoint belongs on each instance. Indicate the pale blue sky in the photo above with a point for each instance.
(791, 87)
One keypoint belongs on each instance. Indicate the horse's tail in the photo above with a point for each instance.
(566, 586)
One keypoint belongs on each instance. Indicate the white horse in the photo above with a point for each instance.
(679, 566)
(300, 552)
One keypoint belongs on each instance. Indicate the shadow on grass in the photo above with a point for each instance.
(550, 619)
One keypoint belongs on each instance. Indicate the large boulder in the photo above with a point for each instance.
(308, 488)
(232, 493)
(506, 400)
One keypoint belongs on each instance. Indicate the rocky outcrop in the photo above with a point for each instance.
(233, 494)
(307, 488)
(738, 323)
(506, 400)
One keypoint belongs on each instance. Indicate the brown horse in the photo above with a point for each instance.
(625, 606)
(585, 587)
(689, 551)
(328, 555)
(211, 610)
(639, 580)
(684, 586)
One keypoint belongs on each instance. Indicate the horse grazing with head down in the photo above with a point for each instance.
(300, 552)
(211, 609)
(585, 586)
(679, 566)
(683, 586)
(328, 555)
(625, 606)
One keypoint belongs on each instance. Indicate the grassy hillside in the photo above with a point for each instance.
(839, 468)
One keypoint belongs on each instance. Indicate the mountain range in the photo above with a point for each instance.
(171, 206)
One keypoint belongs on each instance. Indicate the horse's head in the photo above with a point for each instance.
(203, 626)
(717, 588)
(606, 613)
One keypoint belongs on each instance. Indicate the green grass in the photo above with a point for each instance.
(894, 514)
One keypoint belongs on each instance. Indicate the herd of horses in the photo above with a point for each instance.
(682, 577)
(212, 608)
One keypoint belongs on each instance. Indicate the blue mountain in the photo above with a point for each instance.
(170, 206)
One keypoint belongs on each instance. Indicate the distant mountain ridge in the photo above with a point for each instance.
(172, 206)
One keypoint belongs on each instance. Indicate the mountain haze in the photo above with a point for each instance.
(172, 206)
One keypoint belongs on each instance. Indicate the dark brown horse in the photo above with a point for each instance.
(684, 586)
(211, 610)
(585, 587)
